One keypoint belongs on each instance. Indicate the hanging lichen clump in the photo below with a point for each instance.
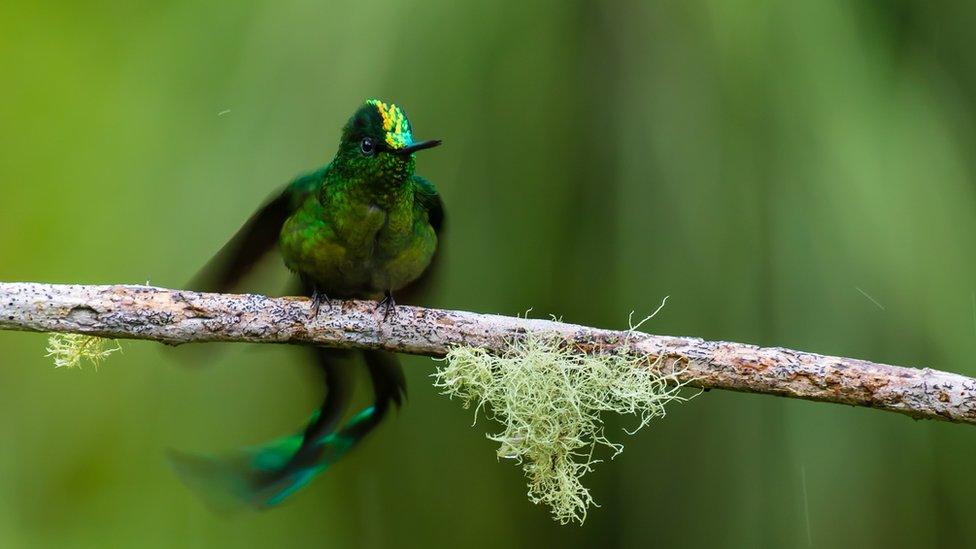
(549, 400)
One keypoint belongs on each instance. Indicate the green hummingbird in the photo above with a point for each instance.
(364, 226)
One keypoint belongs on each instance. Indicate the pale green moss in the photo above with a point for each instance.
(549, 400)
(69, 350)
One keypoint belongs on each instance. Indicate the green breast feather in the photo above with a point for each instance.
(351, 244)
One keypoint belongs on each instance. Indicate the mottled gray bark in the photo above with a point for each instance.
(175, 317)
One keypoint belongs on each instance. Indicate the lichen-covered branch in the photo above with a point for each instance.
(175, 317)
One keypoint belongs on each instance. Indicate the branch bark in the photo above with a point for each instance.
(175, 317)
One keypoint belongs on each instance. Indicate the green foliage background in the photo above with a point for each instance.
(759, 162)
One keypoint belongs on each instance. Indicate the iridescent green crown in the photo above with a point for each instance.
(395, 124)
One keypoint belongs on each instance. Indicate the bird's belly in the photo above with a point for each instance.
(312, 249)
(363, 267)
(396, 270)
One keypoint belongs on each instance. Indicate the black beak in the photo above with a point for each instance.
(417, 147)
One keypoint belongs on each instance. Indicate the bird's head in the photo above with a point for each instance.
(378, 145)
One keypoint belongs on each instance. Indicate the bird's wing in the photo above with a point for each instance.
(426, 194)
(429, 199)
(253, 240)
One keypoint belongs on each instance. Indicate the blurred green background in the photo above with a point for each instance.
(763, 163)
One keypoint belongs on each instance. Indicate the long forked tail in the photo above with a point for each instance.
(263, 476)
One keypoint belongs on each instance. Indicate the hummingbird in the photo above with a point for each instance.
(364, 226)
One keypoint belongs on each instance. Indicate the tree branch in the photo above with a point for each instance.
(175, 317)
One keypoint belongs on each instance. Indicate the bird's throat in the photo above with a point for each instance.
(384, 193)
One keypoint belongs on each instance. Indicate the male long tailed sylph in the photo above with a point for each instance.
(363, 226)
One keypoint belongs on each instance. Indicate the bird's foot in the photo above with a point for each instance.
(388, 303)
(318, 299)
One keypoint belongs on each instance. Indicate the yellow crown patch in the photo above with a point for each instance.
(395, 124)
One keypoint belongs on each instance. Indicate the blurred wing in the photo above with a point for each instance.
(430, 200)
(252, 241)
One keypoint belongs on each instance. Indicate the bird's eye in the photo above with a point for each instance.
(366, 145)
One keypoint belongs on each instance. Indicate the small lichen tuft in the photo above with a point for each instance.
(69, 350)
(549, 400)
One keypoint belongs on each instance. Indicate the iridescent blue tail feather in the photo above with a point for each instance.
(263, 476)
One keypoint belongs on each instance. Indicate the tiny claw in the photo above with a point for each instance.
(388, 302)
(318, 299)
